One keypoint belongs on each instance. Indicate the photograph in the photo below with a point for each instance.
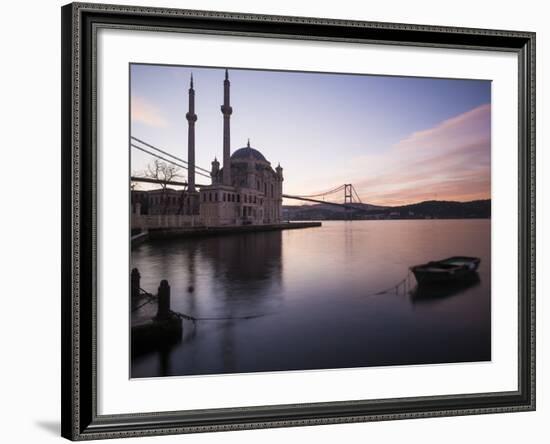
(296, 221)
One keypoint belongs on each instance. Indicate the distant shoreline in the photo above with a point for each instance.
(432, 209)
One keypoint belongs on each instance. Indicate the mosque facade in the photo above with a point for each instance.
(245, 189)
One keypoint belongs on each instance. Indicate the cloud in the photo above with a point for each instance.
(451, 161)
(147, 113)
(464, 128)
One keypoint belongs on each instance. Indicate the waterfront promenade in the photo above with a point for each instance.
(198, 231)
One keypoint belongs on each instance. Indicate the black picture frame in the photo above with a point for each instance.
(80, 419)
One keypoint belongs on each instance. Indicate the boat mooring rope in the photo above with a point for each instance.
(405, 282)
(150, 298)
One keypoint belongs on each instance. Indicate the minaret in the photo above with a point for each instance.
(191, 119)
(279, 193)
(226, 111)
(214, 171)
(279, 171)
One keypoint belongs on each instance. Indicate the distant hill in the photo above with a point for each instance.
(442, 209)
(431, 209)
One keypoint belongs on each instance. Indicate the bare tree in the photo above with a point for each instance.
(163, 173)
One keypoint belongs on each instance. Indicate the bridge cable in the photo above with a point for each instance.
(168, 154)
(324, 193)
(356, 195)
(166, 160)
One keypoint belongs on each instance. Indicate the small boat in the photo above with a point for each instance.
(452, 269)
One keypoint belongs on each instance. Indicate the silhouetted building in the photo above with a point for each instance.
(246, 190)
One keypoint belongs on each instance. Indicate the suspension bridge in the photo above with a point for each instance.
(351, 200)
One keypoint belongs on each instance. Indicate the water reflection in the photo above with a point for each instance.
(433, 293)
(310, 285)
(248, 270)
(253, 260)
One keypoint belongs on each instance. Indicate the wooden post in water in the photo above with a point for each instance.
(134, 287)
(163, 312)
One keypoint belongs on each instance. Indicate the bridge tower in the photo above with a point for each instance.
(348, 199)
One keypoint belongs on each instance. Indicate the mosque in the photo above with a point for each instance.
(245, 189)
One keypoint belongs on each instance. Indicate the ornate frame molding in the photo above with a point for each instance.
(80, 22)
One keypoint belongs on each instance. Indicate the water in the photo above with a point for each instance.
(317, 291)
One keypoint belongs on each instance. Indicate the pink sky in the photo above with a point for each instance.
(398, 140)
(451, 161)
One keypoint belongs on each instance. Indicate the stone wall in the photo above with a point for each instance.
(150, 222)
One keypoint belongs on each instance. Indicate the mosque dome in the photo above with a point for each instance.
(247, 153)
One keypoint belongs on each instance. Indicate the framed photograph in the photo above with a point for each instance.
(280, 221)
